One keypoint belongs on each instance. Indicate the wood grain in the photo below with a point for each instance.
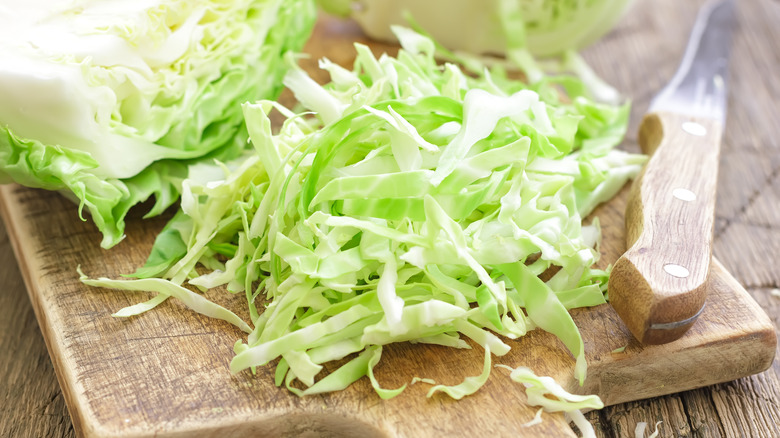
(31, 402)
(747, 241)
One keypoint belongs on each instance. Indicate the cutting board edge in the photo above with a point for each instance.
(759, 359)
(266, 425)
(79, 417)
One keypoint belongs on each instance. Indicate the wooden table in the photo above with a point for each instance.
(747, 237)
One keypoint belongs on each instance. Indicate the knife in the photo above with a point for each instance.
(659, 286)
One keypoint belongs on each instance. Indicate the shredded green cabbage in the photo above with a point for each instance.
(114, 102)
(403, 201)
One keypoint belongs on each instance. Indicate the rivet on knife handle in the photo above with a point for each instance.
(658, 286)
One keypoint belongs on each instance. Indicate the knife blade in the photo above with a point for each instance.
(659, 285)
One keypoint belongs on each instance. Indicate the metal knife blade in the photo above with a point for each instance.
(658, 287)
(699, 86)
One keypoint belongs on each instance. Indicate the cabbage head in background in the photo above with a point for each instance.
(535, 35)
(550, 27)
(113, 102)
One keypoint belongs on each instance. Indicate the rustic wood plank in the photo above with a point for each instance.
(759, 226)
(31, 401)
(700, 409)
(745, 409)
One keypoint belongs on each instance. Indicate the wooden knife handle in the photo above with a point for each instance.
(658, 287)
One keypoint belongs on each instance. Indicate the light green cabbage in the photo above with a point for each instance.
(114, 101)
(404, 201)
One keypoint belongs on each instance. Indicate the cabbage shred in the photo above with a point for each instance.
(403, 201)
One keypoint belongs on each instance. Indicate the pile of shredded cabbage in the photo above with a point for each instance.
(404, 201)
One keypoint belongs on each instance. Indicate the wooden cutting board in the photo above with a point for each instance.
(166, 373)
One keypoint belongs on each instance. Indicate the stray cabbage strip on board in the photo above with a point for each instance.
(403, 201)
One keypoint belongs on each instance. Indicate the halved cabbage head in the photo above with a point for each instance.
(113, 101)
